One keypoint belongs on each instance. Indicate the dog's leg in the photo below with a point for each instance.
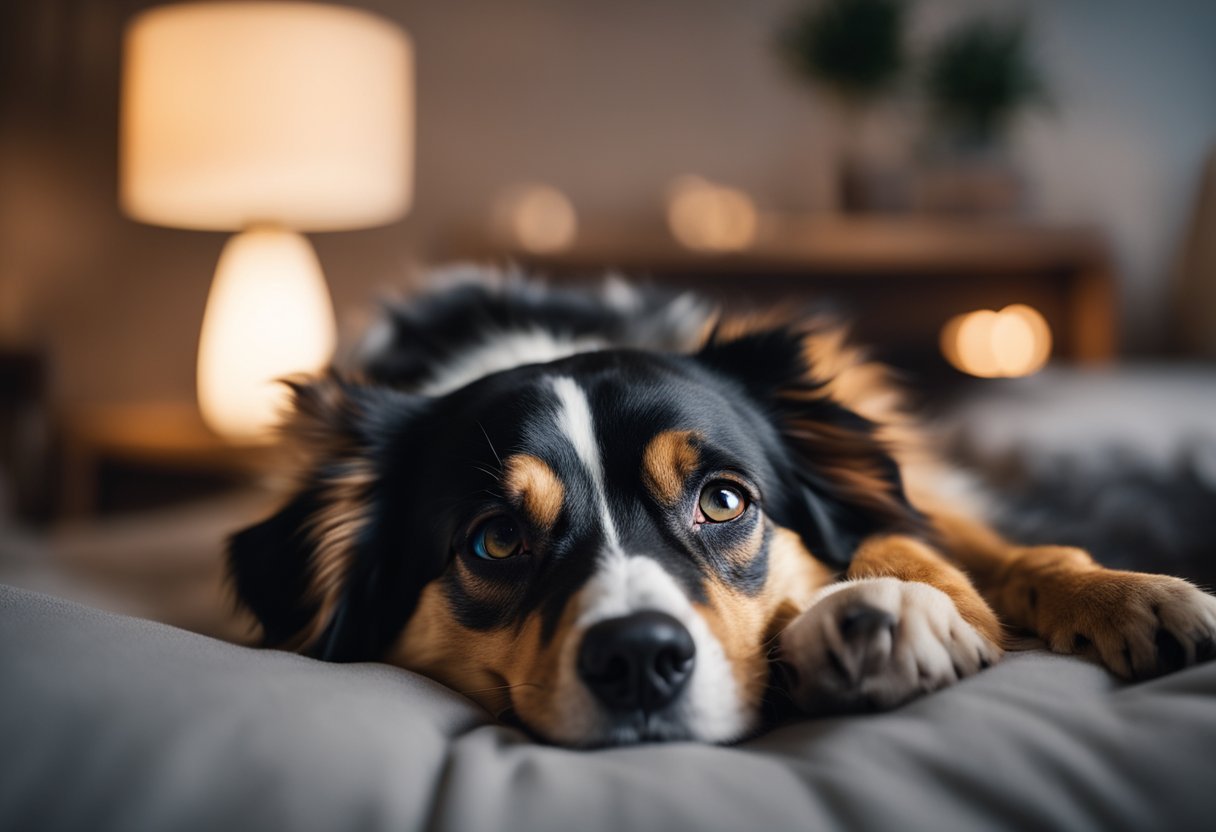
(905, 623)
(1138, 625)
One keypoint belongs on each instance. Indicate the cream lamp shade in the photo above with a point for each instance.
(241, 113)
(268, 118)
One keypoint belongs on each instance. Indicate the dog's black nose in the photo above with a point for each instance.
(637, 662)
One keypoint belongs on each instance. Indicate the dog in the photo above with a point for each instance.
(609, 516)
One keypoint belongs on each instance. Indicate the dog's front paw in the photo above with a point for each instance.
(1138, 625)
(877, 643)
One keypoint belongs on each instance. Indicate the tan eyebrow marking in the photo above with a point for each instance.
(669, 459)
(532, 483)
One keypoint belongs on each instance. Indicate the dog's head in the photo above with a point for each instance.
(604, 545)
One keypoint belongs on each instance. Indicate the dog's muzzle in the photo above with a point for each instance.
(638, 662)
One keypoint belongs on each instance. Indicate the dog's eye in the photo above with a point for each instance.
(497, 538)
(721, 502)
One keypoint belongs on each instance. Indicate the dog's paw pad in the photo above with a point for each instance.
(878, 643)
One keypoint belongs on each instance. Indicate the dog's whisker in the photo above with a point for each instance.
(511, 686)
(489, 472)
(491, 444)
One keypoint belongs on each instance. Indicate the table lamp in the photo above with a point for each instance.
(269, 119)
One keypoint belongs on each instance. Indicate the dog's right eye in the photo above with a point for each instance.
(497, 538)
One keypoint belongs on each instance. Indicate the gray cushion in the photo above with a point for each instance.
(113, 723)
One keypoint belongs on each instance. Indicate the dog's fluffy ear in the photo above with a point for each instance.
(297, 570)
(840, 482)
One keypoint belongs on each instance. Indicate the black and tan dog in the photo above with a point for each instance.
(609, 516)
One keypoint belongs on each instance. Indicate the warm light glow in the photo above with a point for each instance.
(976, 345)
(705, 216)
(240, 113)
(537, 218)
(268, 316)
(1013, 342)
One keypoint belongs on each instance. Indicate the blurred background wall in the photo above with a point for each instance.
(607, 101)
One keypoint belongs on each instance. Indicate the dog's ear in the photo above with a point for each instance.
(298, 570)
(840, 483)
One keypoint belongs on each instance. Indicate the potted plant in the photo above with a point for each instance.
(977, 80)
(855, 51)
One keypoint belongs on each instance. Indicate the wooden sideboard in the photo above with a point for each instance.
(898, 278)
(167, 443)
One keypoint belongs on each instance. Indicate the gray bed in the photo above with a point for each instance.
(116, 723)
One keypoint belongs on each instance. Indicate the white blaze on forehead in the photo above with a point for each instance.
(576, 424)
(505, 351)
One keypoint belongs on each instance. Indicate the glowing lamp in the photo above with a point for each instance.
(269, 119)
(707, 217)
(1016, 341)
(268, 315)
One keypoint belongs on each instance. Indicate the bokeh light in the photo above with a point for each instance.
(1015, 341)
(704, 216)
(538, 218)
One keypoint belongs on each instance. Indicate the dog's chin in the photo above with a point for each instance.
(611, 730)
(646, 729)
(635, 730)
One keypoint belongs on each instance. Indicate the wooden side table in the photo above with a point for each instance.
(164, 436)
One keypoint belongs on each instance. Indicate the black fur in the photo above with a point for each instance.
(430, 331)
(436, 461)
(771, 365)
(270, 565)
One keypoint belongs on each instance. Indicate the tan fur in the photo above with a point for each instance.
(334, 529)
(843, 373)
(746, 625)
(668, 461)
(479, 664)
(850, 378)
(851, 459)
(313, 431)
(842, 370)
(1060, 594)
(744, 552)
(739, 624)
(477, 587)
(535, 675)
(727, 328)
(497, 669)
(529, 482)
(907, 559)
(794, 576)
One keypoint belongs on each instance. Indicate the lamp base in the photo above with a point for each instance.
(268, 316)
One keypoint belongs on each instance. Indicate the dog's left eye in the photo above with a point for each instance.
(497, 538)
(721, 502)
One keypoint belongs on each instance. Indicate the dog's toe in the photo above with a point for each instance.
(879, 643)
(1139, 626)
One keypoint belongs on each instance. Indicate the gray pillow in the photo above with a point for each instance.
(114, 723)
